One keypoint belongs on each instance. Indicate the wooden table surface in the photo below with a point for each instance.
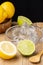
(19, 59)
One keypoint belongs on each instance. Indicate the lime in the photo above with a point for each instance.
(26, 47)
(22, 19)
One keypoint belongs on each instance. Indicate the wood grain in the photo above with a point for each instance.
(19, 59)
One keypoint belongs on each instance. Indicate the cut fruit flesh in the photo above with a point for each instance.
(23, 19)
(7, 50)
(26, 47)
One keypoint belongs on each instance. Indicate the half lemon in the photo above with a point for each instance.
(7, 50)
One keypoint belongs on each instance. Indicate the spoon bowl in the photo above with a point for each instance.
(36, 58)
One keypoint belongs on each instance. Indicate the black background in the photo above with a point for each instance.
(32, 9)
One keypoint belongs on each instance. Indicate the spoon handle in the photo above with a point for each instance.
(41, 53)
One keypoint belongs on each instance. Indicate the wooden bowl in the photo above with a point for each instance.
(5, 25)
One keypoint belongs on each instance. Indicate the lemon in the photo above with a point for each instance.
(22, 19)
(7, 50)
(26, 47)
(3, 15)
(9, 8)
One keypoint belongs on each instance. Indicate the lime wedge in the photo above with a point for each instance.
(26, 47)
(22, 19)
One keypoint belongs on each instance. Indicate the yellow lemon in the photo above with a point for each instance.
(9, 8)
(7, 50)
(3, 15)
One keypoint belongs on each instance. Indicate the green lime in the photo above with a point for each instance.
(26, 47)
(22, 19)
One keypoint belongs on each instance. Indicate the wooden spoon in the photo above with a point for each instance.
(36, 58)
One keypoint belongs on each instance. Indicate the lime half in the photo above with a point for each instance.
(22, 19)
(26, 47)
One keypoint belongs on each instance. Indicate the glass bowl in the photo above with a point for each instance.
(17, 33)
(41, 39)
